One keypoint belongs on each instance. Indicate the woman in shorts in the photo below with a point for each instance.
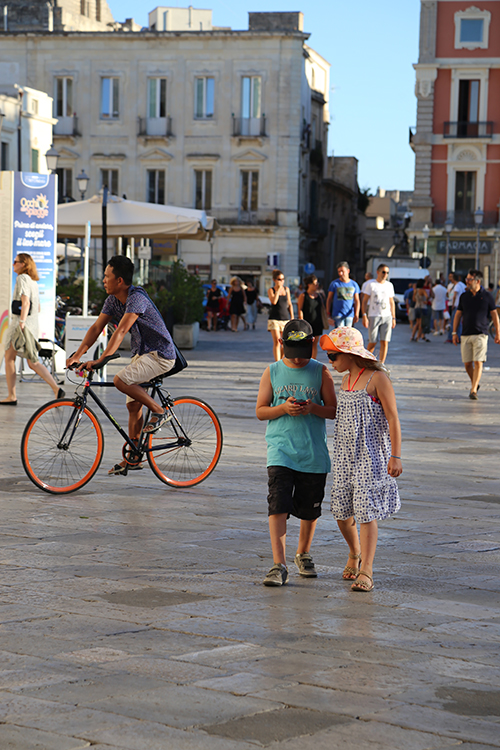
(281, 310)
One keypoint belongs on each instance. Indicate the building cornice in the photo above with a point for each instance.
(148, 34)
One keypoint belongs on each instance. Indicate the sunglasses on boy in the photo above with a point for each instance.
(332, 357)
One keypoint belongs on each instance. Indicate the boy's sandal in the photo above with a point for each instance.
(118, 470)
(157, 421)
(350, 573)
(362, 585)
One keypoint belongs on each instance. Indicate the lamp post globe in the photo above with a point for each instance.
(82, 181)
(52, 157)
(425, 232)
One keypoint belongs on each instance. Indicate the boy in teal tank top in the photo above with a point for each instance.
(296, 396)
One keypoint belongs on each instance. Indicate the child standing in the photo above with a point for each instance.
(296, 395)
(366, 453)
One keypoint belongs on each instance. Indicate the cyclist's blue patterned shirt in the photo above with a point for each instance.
(149, 332)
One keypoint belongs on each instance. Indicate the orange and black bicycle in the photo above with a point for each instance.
(63, 443)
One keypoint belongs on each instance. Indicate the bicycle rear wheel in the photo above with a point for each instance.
(196, 428)
(62, 447)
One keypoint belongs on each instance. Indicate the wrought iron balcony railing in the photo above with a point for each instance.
(464, 219)
(249, 126)
(160, 127)
(67, 126)
(468, 129)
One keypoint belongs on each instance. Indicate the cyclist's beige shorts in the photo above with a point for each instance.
(144, 367)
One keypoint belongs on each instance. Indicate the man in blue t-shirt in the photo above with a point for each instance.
(342, 303)
(152, 349)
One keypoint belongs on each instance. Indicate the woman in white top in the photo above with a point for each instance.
(25, 292)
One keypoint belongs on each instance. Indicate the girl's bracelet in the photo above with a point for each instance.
(396, 457)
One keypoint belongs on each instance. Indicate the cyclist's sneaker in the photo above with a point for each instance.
(305, 564)
(157, 421)
(277, 576)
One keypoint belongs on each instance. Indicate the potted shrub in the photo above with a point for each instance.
(185, 300)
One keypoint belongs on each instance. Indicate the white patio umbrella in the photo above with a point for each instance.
(132, 219)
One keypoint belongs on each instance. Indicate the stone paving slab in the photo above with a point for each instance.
(133, 617)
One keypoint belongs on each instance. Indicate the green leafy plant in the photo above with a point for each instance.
(183, 297)
(72, 292)
(364, 196)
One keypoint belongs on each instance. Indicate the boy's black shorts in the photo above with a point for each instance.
(297, 493)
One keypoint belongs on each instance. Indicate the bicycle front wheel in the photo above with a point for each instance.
(62, 447)
(187, 448)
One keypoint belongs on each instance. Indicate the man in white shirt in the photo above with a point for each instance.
(457, 291)
(379, 311)
(438, 308)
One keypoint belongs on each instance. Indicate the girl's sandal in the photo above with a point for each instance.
(350, 573)
(363, 585)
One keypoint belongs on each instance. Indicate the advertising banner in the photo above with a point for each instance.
(35, 232)
(6, 195)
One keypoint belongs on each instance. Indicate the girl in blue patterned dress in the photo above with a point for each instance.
(366, 453)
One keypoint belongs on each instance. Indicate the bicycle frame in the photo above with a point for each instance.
(166, 400)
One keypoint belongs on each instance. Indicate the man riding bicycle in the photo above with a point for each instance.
(152, 348)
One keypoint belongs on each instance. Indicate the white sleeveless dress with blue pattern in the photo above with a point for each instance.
(361, 451)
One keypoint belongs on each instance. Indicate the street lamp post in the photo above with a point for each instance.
(426, 232)
(478, 219)
(448, 227)
(82, 181)
(104, 235)
(52, 157)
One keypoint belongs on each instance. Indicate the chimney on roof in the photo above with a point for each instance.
(276, 21)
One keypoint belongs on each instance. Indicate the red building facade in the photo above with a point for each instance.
(457, 138)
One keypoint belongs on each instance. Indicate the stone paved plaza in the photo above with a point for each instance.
(133, 615)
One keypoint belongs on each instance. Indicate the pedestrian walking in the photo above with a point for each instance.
(342, 303)
(409, 298)
(457, 291)
(379, 311)
(252, 297)
(310, 307)
(281, 310)
(296, 396)
(213, 296)
(236, 300)
(438, 308)
(23, 331)
(474, 307)
(366, 451)
(421, 298)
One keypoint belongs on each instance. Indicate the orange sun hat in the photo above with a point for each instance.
(347, 341)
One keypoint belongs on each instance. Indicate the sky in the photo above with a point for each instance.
(371, 47)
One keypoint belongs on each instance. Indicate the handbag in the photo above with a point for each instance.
(180, 362)
(15, 307)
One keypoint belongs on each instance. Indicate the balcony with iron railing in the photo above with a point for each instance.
(249, 127)
(464, 219)
(239, 216)
(468, 129)
(67, 126)
(155, 127)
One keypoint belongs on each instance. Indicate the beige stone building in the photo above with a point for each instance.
(25, 128)
(187, 114)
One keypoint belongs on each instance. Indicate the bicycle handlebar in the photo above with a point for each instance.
(81, 365)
